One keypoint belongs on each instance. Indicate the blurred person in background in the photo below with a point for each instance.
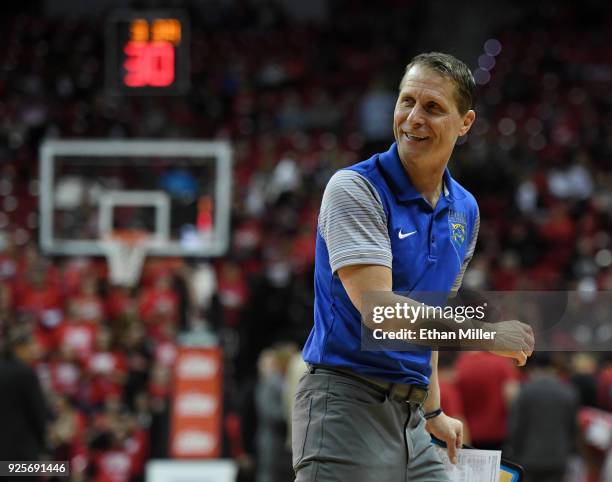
(594, 444)
(66, 432)
(273, 458)
(159, 390)
(583, 368)
(139, 356)
(296, 368)
(118, 444)
(450, 398)
(88, 304)
(159, 305)
(486, 384)
(23, 409)
(604, 384)
(106, 369)
(37, 295)
(542, 426)
(375, 115)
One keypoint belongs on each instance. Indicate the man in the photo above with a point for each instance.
(543, 444)
(395, 222)
(487, 385)
(23, 411)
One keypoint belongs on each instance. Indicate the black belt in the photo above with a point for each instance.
(398, 392)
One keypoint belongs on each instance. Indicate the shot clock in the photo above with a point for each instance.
(147, 52)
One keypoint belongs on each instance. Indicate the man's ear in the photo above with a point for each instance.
(468, 120)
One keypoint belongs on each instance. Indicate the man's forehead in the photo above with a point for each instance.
(426, 80)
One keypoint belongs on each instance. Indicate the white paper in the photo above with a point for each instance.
(472, 465)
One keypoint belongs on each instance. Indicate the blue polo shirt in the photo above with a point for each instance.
(372, 214)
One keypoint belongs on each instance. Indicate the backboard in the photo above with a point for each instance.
(178, 191)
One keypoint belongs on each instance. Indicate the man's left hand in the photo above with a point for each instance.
(449, 430)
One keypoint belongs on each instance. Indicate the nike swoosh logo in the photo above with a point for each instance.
(405, 235)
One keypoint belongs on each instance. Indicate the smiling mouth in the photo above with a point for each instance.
(414, 138)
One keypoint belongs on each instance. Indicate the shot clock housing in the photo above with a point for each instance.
(147, 52)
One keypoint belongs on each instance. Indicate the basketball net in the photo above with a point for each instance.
(125, 252)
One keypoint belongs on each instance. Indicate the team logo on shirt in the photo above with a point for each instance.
(457, 222)
(458, 233)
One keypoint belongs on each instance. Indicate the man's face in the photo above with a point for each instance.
(426, 122)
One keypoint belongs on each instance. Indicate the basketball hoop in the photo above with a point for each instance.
(125, 251)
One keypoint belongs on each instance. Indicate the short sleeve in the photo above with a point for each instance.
(353, 222)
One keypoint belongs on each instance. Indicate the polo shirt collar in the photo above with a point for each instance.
(400, 182)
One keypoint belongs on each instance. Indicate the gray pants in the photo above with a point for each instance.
(345, 430)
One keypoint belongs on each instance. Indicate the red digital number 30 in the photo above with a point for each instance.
(149, 64)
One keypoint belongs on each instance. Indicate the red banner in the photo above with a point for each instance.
(197, 404)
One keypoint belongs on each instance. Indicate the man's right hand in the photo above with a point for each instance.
(513, 339)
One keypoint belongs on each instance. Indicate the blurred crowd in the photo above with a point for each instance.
(299, 100)
(104, 356)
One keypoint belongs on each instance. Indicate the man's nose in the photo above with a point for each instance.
(415, 116)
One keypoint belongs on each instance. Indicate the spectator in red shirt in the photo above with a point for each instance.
(233, 292)
(486, 384)
(107, 369)
(136, 444)
(124, 459)
(25, 307)
(64, 372)
(159, 305)
(121, 304)
(67, 430)
(159, 385)
(114, 457)
(29, 262)
(450, 398)
(77, 335)
(88, 304)
(114, 464)
(37, 297)
(74, 273)
(166, 349)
